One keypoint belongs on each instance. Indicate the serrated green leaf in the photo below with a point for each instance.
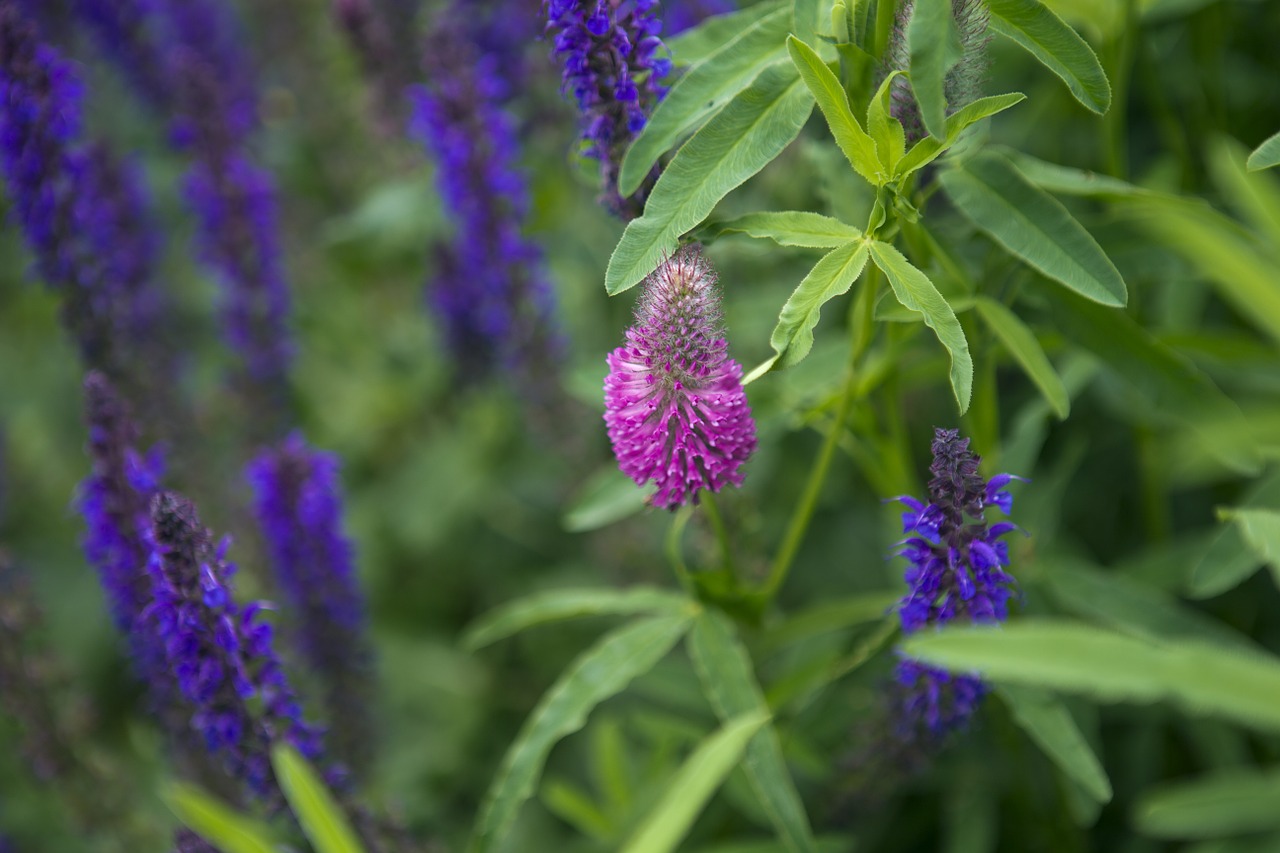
(736, 143)
(556, 605)
(694, 783)
(1036, 29)
(1050, 725)
(914, 290)
(318, 813)
(789, 228)
(927, 150)
(1202, 678)
(697, 43)
(703, 89)
(1261, 531)
(602, 671)
(1022, 345)
(1228, 802)
(1170, 383)
(608, 496)
(858, 147)
(884, 128)
(934, 43)
(832, 276)
(1265, 155)
(1033, 226)
(729, 681)
(216, 822)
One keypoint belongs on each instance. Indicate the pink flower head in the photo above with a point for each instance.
(674, 404)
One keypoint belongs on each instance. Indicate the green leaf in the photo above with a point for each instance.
(807, 17)
(739, 141)
(727, 677)
(1228, 559)
(789, 228)
(832, 276)
(1112, 599)
(1170, 383)
(555, 605)
(217, 822)
(602, 671)
(573, 806)
(1059, 48)
(858, 147)
(1261, 530)
(914, 290)
(1255, 197)
(1228, 802)
(887, 131)
(1065, 180)
(1022, 345)
(1048, 722)
(934, 43)
(697, 779)
(1223, 252)
(1032, 225)
(697, 43)
(831, 616)
(608, 496)
(704, 89)
(318, 813)
(1203, 678)
(1265, 155)
(927, 150)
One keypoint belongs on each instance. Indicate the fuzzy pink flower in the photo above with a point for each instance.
(674, 404)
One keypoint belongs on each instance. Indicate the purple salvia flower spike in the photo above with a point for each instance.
(675, 408)
(299, 509)
(611, 67)
(955, 572)
(220, 660)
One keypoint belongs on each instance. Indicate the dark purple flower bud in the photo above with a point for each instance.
(674, 404)
(219, 660)
(616, 86)
(298, 504)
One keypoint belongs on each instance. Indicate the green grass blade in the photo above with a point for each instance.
(729, 681)
(602, 671)
(697, 779)
(735, 144)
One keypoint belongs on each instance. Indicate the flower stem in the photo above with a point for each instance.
(708, 502)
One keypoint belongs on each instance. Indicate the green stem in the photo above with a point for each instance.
(1114, 123)
(886, 12)
(675, 548)
(708, 502)
(863, 327)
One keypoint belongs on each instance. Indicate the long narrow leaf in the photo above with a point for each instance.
(1033, 225)
(729, 681)
(704, 89)
(556, 605)
(1022, 345)
(1203, 678)
(738, 142)
(602, 671)
(927, 150)
(697, 43)
(914, 290)
(1031, 25)
(789, 228)
(318, 813)
(697, 779)
(216, 822)
(858, 147)
(832, 276)
(1265, 155)
(1050, 725)
(1229, 802)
